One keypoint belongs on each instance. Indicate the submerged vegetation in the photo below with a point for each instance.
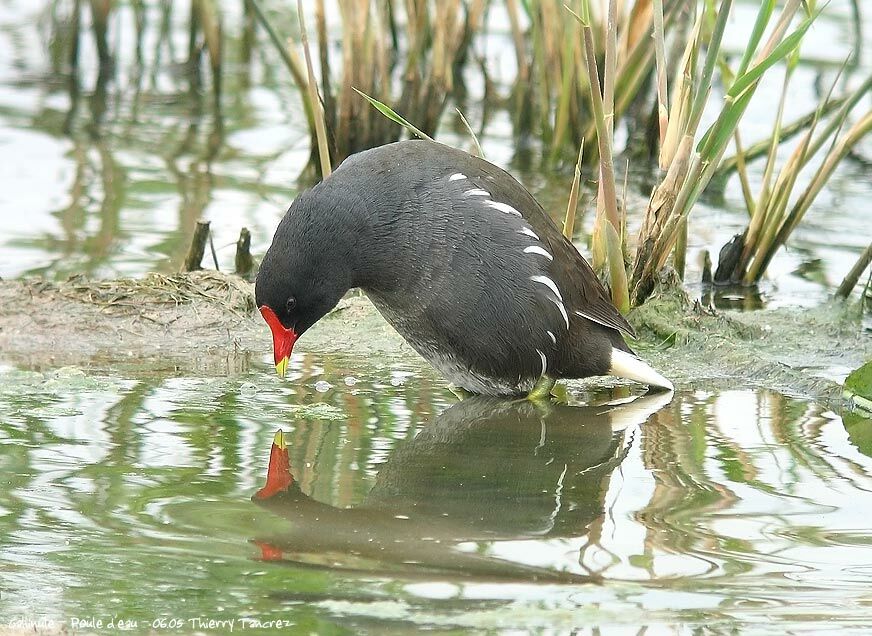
(619, 84)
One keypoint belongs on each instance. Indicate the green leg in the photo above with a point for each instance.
(542, 389)
(459, 392)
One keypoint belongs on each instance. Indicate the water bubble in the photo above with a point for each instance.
(247, 389)
(322, 386)
(350, 380)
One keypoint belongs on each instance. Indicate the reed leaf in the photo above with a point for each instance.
(572, 204)
(478, 151)
(779, 53)
(388, 112)
(760, 23)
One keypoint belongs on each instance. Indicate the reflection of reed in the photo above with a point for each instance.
(159, 470)
(799, 428)
(708, 453)
(675, 448)
(116, 101)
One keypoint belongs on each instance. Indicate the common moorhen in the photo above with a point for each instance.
(459, 258)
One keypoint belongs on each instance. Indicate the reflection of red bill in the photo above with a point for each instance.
(268, 552)
(278, 475)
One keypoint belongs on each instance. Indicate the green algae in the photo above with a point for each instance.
(800, 351)
(858, 389)
(317, 411)
(805, 351)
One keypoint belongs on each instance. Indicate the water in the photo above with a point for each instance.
(131, 499)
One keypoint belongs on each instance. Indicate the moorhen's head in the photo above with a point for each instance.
(303, 275)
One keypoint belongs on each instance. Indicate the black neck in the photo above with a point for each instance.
(365, 238)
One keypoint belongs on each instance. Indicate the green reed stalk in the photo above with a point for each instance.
(478, 151)
(710, 149)
(572, 204)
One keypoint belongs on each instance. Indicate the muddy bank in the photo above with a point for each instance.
(205, 322)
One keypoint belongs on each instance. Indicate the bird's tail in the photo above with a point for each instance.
(626, 365)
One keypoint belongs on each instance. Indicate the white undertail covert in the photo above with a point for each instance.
(626, 365)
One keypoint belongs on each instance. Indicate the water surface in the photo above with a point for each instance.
(128, 497)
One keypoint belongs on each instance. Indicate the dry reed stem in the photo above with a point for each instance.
(662, 86)
(850, 280)
(635, 27)
(197, 248)
(317, 111)
(518, 37)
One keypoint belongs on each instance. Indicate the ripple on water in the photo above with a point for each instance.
(737, 506)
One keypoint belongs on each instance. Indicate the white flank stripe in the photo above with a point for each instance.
(503, 207)
(550, 284)
(552, 336)
(562, 309)
(584, 315)
(457, 176)
(626, 365)
(544, 361)
(535, 249)
(529, 232)
(476, 192)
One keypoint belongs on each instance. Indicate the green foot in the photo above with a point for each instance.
(560, 393)
(459, 392)
(542, 389)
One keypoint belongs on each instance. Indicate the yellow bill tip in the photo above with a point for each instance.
(282, 367)
(279, 439)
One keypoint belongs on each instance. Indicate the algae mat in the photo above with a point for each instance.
(205, 321)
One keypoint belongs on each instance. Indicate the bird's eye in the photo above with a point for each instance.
(291, 304)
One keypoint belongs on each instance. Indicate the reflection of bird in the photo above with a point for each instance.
(504, 468)
(484, 470)
(459, 258)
